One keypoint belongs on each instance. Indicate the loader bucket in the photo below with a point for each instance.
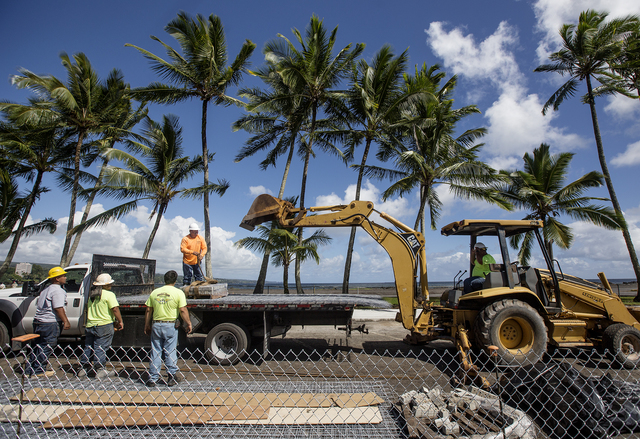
(264, 208)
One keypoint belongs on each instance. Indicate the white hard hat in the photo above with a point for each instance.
(194, 226)
(104, 279)
(480, 245)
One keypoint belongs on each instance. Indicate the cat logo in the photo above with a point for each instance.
(412, 242)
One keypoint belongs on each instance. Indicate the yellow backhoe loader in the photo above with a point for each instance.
(520, 310)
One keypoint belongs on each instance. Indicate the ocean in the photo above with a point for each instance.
(235, 283)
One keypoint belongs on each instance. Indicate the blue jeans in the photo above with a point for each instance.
(473, 283)
(39, 358)
(96, 344)
(191, 271)
(164, 339)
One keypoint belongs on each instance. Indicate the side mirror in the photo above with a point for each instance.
(29, 288)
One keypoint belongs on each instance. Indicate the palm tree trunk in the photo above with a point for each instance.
(85, 215)
(64, 258)
(423, 203)
(262, 277)
(612, 192)
(152, 236)
(205, 159)
(302, 194)
(352, 236)
(299, 289)
(285, 279)
(16, 238)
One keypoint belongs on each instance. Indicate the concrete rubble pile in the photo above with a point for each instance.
(476, 414)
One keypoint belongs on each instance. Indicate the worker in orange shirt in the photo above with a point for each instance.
(193, 249)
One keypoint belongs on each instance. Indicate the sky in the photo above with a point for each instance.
(493, 47)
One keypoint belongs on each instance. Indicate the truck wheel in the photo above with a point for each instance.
(226, 344)
(5, 338)
(515, 328)
(623, 345)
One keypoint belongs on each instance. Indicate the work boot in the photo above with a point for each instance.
(104, 373)
(47, 374)
(150, 383)
(82, 373)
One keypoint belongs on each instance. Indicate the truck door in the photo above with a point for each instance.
(77, 282)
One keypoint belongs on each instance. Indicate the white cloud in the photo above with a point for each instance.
(516, 126)
(630, 157)
(515, 121)
(552, 14)
(254, 191)
(488, 59)
(623, 107)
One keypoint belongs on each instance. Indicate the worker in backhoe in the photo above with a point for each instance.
(480, 260)
(193, 249)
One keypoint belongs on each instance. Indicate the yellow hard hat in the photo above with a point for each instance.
(55, 272)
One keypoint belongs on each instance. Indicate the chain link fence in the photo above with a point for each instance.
(334, 393)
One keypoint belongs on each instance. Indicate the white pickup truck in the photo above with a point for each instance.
(231, 322)
(18, 305)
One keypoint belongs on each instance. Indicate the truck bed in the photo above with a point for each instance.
(281, 302)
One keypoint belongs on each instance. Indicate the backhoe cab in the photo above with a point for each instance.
(519, 309)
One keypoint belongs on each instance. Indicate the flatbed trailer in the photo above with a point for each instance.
(237, 322)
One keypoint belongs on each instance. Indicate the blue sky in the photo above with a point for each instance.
(492, 46)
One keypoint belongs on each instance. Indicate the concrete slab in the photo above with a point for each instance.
(374, 315)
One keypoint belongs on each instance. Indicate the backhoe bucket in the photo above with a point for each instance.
(264, 208)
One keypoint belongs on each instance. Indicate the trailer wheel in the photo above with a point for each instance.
(226, 344)
(5, 338)
(623, 345)
(515, 328)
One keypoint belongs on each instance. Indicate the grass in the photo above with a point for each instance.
(393, 301)
(628, 300)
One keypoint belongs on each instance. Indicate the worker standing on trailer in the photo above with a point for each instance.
(481, 260)
(164, 308)
(193, 248)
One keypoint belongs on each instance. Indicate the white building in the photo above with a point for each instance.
(23, 268)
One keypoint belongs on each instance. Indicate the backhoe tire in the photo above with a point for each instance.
(226, 344)
(516, 328)
(623, 345)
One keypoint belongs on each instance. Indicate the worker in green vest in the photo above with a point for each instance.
(103, 318)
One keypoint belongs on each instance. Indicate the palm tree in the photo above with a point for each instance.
(275, 122)
(119, 131)
(375, 100)
(202, 73)
(432, 155)
(587, 49)
(627, 65)
(539, 190)
(283, 246)
(29, 152)
(158, 182)
(81, 105)
(312, 73)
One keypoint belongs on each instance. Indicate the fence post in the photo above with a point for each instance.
(493, 352)
(18, 343)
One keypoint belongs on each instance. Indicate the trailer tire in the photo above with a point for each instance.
(516, 328)
(623, 345)
(5, 338)
(226, 344)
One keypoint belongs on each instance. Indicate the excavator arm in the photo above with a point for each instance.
(405, 248)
